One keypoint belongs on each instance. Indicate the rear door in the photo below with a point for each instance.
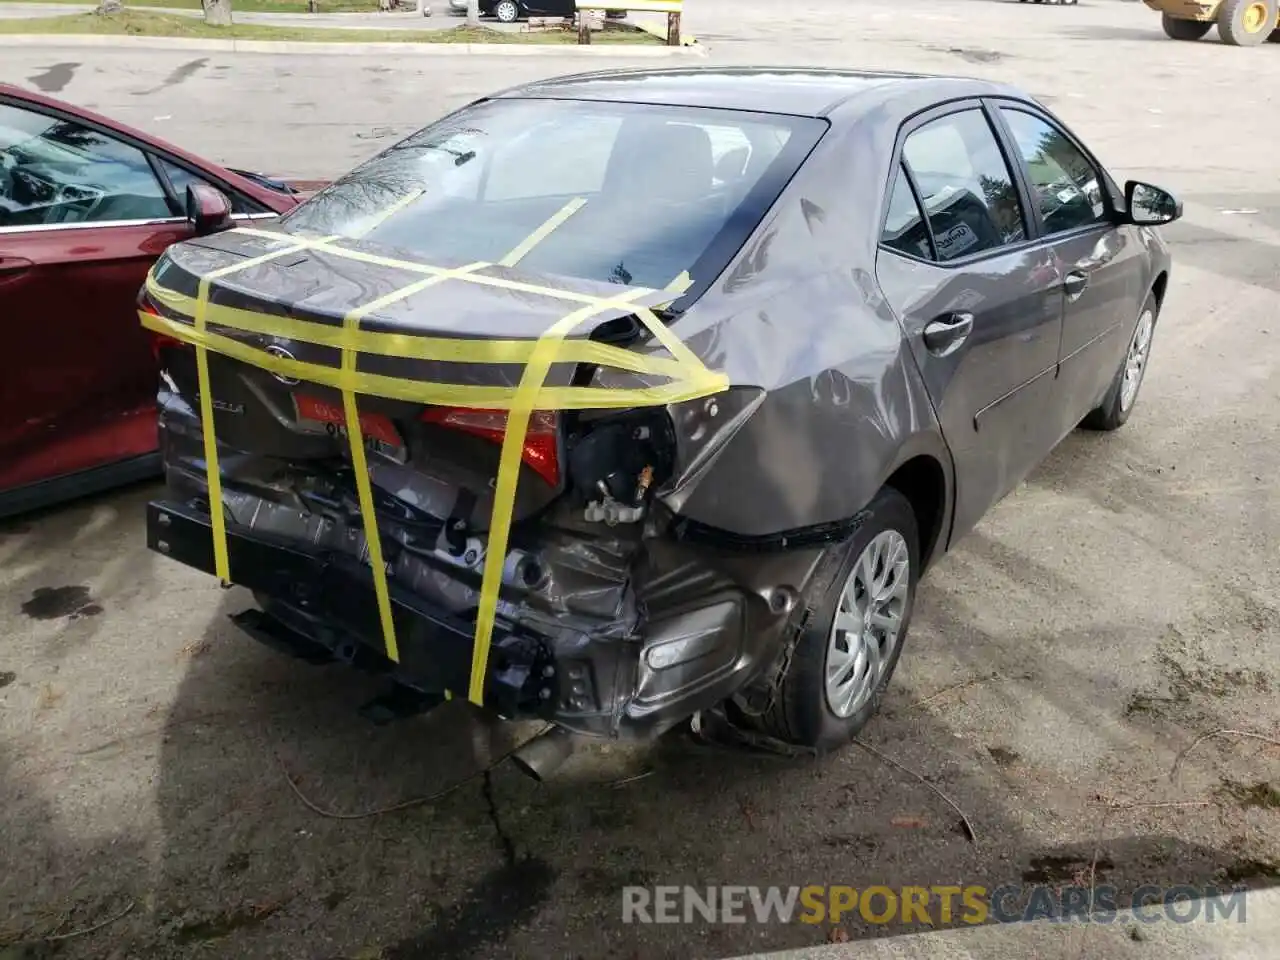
(1102, 265)
(979, 298)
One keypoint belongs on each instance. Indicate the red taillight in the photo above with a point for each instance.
(541, 442)
(158, 340)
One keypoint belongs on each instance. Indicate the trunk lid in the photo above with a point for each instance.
(426, 459)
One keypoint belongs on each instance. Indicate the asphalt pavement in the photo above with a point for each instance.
(1120, 605)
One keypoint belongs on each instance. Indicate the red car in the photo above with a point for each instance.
(86, 206)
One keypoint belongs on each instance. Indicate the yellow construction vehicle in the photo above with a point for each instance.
(1241, 23)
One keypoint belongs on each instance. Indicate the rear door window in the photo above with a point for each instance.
(968, 190)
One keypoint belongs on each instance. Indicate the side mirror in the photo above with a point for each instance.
(1150, 206)
(208, 210)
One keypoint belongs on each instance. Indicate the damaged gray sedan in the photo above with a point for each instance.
(915, 287)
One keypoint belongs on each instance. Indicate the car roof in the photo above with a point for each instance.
(798, 91)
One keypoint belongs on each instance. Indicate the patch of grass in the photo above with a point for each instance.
(142, 24)
(225, 923)
(1003, 755)
(1193, 678)
(247, 6)
(1260, 794)
(1189, 673)
(1245, 870)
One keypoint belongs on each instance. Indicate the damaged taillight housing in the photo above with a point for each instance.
(702, 429)
(541, 452)
(159, 341)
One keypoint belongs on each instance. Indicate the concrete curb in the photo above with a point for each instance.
(352, 49)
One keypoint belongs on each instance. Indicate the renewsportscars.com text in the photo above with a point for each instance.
(927, 906)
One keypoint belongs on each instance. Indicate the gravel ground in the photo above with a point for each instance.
(1119, 605)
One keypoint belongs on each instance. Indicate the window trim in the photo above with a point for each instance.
(115, 224)
(149, 151)
(157, 161)
(937, 111)
(997, 106)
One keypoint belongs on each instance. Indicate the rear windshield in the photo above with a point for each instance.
(650, 196)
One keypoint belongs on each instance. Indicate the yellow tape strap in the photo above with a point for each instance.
(472, 396)
(360, 464)
(213, 473)
(680, 284)
(528, 397)
(326, 245)
(411, 347)
(369, 517)
(521, 249)
(673, 344)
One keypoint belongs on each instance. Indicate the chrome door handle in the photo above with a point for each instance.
(1074, 284)
(944, 335)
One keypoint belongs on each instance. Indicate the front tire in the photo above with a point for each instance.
(1122, 395)
(1246, 23)
(1176, 28)
(849, 630)
(507, 11)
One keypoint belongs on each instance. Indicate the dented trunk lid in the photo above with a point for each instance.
(416, 455)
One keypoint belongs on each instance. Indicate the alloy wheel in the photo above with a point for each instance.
(868, 623)
(1135, 364)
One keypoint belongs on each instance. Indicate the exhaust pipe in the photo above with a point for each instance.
(542, 756)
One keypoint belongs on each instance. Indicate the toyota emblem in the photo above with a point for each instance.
(283, 354)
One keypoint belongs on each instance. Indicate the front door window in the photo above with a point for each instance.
(55, 171)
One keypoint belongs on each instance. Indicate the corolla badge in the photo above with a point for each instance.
(283, 354)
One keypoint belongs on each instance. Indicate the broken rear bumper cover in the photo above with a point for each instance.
(708, 624)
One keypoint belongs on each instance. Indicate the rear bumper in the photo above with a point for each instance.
(703, 638)
(327, 600)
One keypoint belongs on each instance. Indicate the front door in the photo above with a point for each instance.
(980, 303)
(82, 218)
(1102, 266)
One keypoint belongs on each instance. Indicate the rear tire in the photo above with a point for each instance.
(1246, 23)
(880, 560)
(1118, 404)
(507, 11)
(1176, 28)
